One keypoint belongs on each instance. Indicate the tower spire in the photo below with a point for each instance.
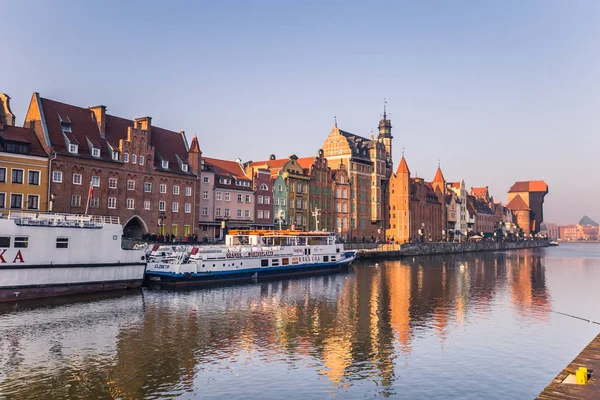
(384, 109)
(335, 121)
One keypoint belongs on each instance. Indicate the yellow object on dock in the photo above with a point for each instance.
(581, 376)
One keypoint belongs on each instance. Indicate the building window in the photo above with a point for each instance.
(267, 200)
(162, 205)
(16, 201)
(239, 197)
(175, 207)
(176, 190)
(2, 200)
(186, 230)
(33, 178)
(163, 188)
(282, 202)
(165, 164)
(76, 200)
(247, 198)
(112, 203)
(57, 176)
(264, 187)
(125, 157)
(205, 211)
(267, 214)
(95, 202)
(112, 183)
(227, 212)
(95, 152)
(239, 213)
(218, 212)
(133, 159)
(188, 208)
(259, 214)
(73, 148)
(344, 207)
(219, 196)
(188, 191)
(259, 199)
(205, 195)
(130, 184)
(276, 201)
(205, 179)
(247, 213)
(130, 204)
(174, 230)
(115, 155)
(338, 207)
(146, 204)
(184, 167)
(62, 243)
(147, 187)
(280, 188)
(2, 174)
(76, 179)
(17, 176)
(141, 160)
(227, 196)
(95, 181)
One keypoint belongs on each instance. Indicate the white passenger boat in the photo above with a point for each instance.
(44, 255)
(248, 255)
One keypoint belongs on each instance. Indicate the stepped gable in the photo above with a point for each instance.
(517, 204)
(587, 221)
(22, 135)
(168, 144)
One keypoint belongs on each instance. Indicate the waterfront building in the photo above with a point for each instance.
(320, 190)
(568, 233)
(233, 196)
(484, 216)
(460, 191)
(23, 165)
(210, 228)
(453, 219)
(280, 198)
(369, 165)
(341, 194)
(526, 199)
(108, 165)
(415, 209)
(263, 206)
(471, 214)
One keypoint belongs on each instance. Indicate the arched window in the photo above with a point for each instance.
(264, 187)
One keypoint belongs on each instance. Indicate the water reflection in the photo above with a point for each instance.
(347, 329)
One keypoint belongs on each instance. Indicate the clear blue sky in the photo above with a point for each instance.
(498, 90)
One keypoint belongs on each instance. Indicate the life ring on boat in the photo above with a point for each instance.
(143, 258)
(187, 275)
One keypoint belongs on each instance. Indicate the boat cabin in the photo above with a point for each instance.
(278, 238)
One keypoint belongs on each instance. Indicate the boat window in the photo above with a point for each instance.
(4, 241)
(21, 241)
(337, 250)
(295, 260)
(62, 243)
(325, 258)
(285, 261)
(332, 258)
(275, 261)
(264, 263)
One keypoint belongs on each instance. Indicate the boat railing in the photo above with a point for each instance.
(60, 220)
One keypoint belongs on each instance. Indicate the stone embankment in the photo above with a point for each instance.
(371, 250)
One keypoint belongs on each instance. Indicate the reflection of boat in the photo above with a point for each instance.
(249, 255)
(44, 255)
(553, 243)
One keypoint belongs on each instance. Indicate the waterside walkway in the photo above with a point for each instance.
(588, 358)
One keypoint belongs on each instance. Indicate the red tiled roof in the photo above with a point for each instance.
(195, 147)
(439, 177)
(529, 186)
(455, 185)
(23, 135)
(306, 162)
(226, 168)
(403, 167)
(518, 204)
(279, 163)
(479, 191)
(168, 144)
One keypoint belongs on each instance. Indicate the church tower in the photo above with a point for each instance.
(385, 135)
(439, 187)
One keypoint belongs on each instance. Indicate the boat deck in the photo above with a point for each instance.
(589, 358)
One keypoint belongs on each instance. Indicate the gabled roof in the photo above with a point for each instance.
(455, 185)
(518, 204)
(403, 167)
(23, 135)
(168, 144)
(529, 186)
(226, 168)
(306, 162)
(479, 191)
(439, 177)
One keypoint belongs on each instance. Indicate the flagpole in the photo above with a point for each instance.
(88, 198)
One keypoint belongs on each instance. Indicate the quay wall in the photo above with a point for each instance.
(371, 250)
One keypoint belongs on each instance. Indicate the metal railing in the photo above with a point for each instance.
(55, 219)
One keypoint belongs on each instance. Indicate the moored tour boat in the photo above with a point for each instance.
(44, 255)
(248, 255)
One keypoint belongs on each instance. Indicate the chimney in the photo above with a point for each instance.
(100, 115)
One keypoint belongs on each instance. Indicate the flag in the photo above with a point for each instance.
(91, 190)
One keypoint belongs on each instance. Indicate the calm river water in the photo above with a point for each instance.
(413, 328)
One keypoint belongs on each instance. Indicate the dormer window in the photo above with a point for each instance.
(95, 152)
(65, 126)
(73, 148)
(184, 167)
(115, 155)
(165, 164)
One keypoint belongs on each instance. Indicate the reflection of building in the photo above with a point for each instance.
(23, 165)
(526, 199)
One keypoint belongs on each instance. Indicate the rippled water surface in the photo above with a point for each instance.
(413, 328)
